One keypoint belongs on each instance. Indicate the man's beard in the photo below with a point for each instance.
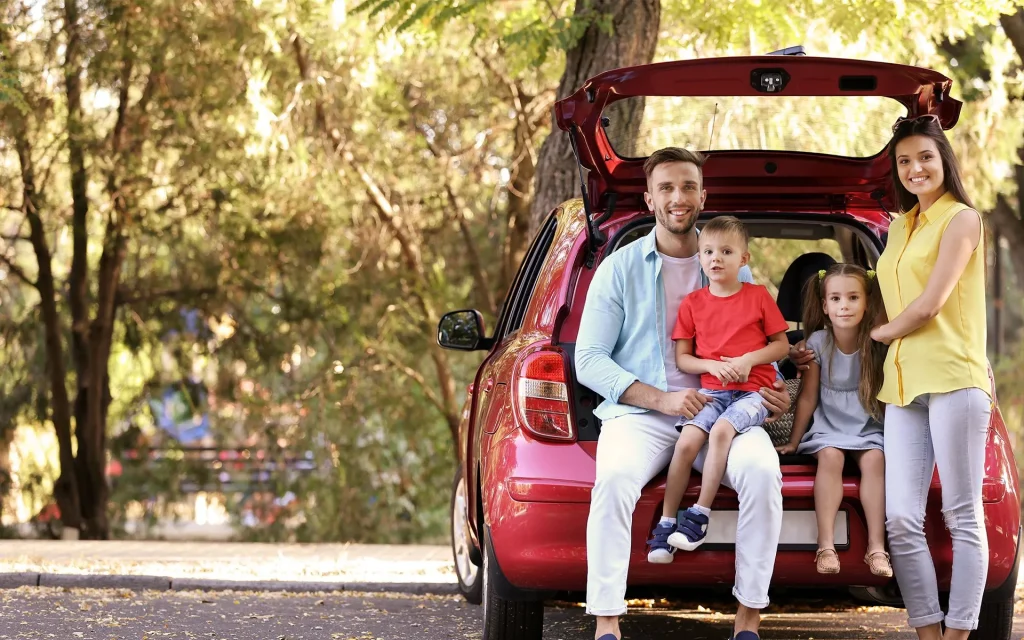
(681, 228)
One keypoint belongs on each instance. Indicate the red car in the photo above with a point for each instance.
(528, 436)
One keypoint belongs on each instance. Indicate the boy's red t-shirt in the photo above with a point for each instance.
(732, 327)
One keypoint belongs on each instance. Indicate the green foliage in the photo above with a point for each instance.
(404, 14)
(533, 30)
(305, 202)
(758, 26)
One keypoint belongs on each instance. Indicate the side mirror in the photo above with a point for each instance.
(462, 330)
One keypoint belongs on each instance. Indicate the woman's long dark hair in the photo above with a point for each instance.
(952, 181)
(872, 354)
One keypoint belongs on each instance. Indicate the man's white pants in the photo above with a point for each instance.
(634, 448)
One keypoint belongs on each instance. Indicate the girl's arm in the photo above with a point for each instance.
(959, 241)
(806, 403)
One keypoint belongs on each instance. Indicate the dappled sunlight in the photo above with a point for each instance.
(253, 214)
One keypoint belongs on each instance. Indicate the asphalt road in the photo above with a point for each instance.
(35, 612)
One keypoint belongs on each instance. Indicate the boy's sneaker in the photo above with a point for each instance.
(690, 531)
(660, 551)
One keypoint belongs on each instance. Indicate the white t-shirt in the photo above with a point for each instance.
(681, 277)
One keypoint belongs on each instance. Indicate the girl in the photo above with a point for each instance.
(839, 389)
(936, 388)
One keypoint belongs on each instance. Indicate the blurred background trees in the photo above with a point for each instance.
(235, 226)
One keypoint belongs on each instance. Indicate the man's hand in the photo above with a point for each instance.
(881, 334)
(801, 356)
(786, 449)
(740, 366)
(686, 403)
(725, 371)
(776, 399)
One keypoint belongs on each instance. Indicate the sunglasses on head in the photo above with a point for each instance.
(904, 120)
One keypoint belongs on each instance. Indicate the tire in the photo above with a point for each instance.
(996, 619)
(470, 576)
(507, 619)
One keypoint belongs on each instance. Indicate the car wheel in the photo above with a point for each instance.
(470, 577)
(996, 619)
(507, 619)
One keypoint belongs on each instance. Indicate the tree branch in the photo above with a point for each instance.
(418, 378)
(16, 270)
(462, 212)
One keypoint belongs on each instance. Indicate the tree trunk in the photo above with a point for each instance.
(65, 490)
(6, 438)
(92, 434)
(78, 288)
(635, 24)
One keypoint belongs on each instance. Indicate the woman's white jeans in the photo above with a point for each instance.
(948, 429)
(634, 448)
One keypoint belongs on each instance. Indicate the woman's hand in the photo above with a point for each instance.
(801, 357)
(881, 334)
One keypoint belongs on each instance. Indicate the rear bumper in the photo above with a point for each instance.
(538, 529)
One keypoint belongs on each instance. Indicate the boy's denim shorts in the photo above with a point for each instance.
(743, 410)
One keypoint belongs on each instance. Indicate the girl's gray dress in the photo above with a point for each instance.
(839, 421)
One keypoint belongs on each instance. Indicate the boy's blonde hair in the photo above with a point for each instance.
(726, 225)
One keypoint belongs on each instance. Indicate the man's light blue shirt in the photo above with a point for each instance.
(622, 336)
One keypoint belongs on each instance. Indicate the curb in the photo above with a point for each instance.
(165, 583)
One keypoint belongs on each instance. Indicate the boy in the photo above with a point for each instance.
(738, 332)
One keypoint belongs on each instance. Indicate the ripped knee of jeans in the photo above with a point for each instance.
(960, 518)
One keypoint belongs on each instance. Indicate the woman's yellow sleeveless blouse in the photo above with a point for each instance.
(949, 351)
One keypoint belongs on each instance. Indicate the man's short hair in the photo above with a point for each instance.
(725, 225)
(673, 154)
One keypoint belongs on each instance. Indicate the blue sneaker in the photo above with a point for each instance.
(745, 635)
(690, 531)
(660, 551)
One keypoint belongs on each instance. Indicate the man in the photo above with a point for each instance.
(624, 352)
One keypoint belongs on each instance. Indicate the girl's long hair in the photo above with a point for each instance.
(872, 354)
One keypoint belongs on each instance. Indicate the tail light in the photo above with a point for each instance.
(542, 396)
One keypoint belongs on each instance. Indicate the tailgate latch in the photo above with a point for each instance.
(769, 80)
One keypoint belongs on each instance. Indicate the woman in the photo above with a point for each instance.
(936, 386)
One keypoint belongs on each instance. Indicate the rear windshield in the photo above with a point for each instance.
(852, 126)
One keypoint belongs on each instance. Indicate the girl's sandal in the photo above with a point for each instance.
(827, 561)
(878, 563)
